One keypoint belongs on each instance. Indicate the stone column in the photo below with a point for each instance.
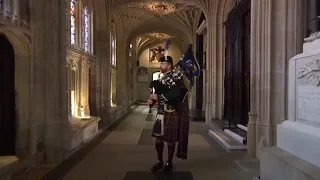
(100, 70)
(255, 21)
(274, 38)
(16, 11)
(50, 84)
(214, 62)
(210, 66)
(56, 95)
(134, 70)
(122, 71)
(7, 7)
(37, 123)
(104, 58)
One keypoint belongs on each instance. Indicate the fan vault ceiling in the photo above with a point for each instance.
(156, 21)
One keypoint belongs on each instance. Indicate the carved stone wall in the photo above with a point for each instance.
(78, 76)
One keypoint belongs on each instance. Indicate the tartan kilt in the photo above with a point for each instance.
(171, 127)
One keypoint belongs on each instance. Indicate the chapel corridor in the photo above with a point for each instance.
(127, 153)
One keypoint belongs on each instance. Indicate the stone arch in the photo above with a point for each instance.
(23, 87)
(116, 18)
(176, 29)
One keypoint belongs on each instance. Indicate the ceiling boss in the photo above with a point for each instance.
(160, 7)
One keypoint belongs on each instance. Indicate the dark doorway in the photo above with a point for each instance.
(199, 82)
(7, 98)
(200, 59)
(237, 65)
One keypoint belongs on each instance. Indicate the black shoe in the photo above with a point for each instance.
(158, 166)
(168, 168)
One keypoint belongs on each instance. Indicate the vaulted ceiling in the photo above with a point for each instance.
(151, 22)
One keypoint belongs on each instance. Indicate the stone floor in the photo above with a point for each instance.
(127, 153)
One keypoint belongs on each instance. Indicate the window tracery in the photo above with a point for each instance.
(113, 65)
(72, 22)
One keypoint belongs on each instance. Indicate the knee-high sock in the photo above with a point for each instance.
(171, 148)
(159, 147)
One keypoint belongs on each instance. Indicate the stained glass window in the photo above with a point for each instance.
(72, 22)
(86, 30)
(113, 49)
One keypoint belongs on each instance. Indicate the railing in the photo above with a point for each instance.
(10, 13)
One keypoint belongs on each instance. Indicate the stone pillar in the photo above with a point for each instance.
(7, 7)
(210, 66)
(16, 11)
(251, 134)
(105, 59)
(56, 96)
(122, 71)
(100, 70)
(134, 70)
(275, 35)
(37, 123)
(214, 63)
(50, 85)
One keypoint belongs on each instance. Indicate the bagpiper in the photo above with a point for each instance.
(172, 120)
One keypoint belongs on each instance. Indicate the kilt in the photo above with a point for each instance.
(170, 127)
(173, 123)
(174, 128)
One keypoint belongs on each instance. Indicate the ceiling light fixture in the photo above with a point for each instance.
(160, 7)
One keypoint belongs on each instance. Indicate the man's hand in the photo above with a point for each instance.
(154, 97)
(149, 102)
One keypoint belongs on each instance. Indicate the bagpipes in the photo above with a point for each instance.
(187, 66)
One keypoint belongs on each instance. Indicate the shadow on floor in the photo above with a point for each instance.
(145, 175)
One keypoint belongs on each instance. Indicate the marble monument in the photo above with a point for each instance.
(297, 155)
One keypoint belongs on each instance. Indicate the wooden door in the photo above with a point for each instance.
(237, 65)
(7, 98)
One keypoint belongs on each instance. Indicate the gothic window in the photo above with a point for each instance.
(113, 65)
(130, 56)
(72, 22)
(113, 46)
(313, 15)
(86, 30)
(113, 51)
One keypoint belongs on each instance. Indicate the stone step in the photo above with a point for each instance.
(242, 127)
(7, 166)
(234, 135)
(228, 142)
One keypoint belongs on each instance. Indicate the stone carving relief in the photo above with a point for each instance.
(73, 64)
(85, 64)
(311, 71)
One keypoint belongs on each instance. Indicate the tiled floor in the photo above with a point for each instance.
(127, 153)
